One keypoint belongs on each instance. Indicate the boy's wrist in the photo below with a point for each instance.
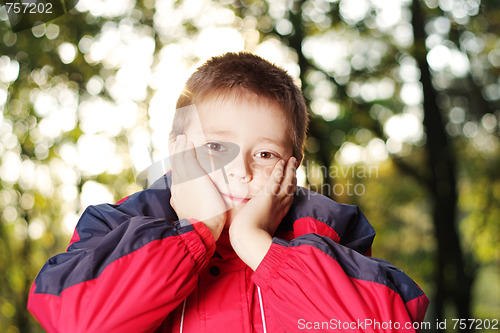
(215, 230)
(250, 243)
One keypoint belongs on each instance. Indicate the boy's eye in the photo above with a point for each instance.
(215, 146)
(265, 155)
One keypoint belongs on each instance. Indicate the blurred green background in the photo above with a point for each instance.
(404, 97)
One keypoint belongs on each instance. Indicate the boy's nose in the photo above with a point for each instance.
(240, 169)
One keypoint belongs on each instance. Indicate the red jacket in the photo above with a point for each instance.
(133, 267)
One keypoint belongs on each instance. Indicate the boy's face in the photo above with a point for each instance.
(260, 131)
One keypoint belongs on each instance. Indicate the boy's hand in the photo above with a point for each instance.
(252, 229)
(194, 195)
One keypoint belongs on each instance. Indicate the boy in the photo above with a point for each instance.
(195, 252)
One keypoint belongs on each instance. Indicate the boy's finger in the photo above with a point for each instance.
(185, 166)
(190, 165)
(178, 147)
(274, 182)
(188, 157)
(290, 180)
(290, 188)
(176, 159)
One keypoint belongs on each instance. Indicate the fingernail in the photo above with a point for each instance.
(282, 162)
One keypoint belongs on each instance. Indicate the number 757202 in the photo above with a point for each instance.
(30, 8)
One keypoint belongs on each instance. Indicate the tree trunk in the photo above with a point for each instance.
(453, 282)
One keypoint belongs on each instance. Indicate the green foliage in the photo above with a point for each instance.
(31, 225)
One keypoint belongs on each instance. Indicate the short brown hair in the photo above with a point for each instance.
(245, 73)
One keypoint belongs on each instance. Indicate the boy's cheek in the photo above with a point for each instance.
(262, 173)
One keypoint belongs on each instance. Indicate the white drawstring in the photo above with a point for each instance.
(182, 315)
(262, 310)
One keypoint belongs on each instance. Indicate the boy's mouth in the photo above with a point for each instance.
(235, 198)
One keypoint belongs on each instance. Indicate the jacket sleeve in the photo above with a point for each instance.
(313, 279)
(128, 267)
(323, 277)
